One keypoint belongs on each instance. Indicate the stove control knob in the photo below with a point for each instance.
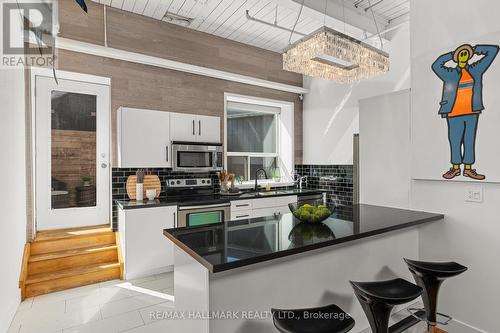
(208, 181)
(178, 182)
(203, 181)
(172, 183)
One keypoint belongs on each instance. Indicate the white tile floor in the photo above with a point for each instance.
(117, 306)
(113, 306)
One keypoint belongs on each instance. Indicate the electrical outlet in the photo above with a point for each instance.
(474, 194)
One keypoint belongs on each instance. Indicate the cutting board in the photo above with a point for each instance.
(150, 182)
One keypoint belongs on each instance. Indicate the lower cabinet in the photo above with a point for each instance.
(145, 249)
(262, 207)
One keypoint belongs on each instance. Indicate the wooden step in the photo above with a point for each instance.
(44, 283)
(46, 245)
(71, 232)
(66, 259)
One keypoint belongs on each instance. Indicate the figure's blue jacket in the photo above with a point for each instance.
(451, 77)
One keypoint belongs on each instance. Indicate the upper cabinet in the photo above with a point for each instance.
(143, 138)
(195, 128)
(183, 127)
(208, 129)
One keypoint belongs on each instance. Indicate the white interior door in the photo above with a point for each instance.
(72, 147)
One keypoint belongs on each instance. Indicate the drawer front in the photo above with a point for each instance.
(271, 211)
(241, 215)
(273, 202)
(241, 205)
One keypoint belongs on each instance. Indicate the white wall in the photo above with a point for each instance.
(471, 232)
(13, 193)
(331, 109)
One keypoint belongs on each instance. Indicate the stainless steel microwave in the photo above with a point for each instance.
(196, 156)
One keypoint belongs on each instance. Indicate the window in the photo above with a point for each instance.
(252, 140)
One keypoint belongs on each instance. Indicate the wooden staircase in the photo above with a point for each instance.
(69, 258)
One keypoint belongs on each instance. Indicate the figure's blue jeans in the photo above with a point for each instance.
(462, 133)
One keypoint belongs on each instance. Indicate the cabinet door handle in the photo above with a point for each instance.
(193, 126)
(199, 127)
(245, 205)
(240, 216)
(175, 219)
(166, 153)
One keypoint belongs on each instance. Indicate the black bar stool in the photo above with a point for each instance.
(430, 276)
(326, 319)
(379, 298)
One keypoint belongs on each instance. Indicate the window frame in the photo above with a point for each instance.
(285, 142)
(250, 155)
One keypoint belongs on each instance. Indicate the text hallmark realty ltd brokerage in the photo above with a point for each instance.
(251, 315)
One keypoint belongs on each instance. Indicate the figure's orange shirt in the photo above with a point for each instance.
(463, 102)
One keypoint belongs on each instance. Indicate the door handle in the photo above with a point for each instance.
(199, 127)
(193, 126)
(104, 165)
(166, 152)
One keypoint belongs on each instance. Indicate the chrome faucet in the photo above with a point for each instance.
(256, 188)
(299, 179)
(302, 180)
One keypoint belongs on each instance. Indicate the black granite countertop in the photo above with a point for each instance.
(210, 199)
(225, 246)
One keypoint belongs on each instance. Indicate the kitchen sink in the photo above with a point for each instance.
(268, 193)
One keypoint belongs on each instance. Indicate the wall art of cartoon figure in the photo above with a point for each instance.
(461, 104)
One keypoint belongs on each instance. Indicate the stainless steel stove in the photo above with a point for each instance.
(198, 202)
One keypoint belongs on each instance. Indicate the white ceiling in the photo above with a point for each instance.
(388, 9)
(227, 18)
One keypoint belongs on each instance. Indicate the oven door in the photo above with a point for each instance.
(203, 215)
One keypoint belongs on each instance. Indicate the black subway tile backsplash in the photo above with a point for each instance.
(120, 176)
(335, 180)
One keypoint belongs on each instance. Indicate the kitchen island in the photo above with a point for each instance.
(229, 275)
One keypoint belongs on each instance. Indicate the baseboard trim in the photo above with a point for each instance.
(165, 269)
(470, 326)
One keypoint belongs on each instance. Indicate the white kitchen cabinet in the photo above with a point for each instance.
(261, 207)
(145, 249)
(208, 129)
(183, 127)
(237, 205)
(274, 201)
(241, 215)
(194, 128)
(271, 211)
(143, 138)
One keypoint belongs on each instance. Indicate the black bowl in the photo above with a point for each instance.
(310, 233)
(313, 212)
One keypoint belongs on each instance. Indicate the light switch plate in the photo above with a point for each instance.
(474, 194)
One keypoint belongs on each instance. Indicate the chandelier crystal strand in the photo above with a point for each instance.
(352, 61)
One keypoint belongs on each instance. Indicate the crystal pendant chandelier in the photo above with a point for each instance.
(332, 55)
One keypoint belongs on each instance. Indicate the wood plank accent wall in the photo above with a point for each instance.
(137, 33)
(142, 86)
